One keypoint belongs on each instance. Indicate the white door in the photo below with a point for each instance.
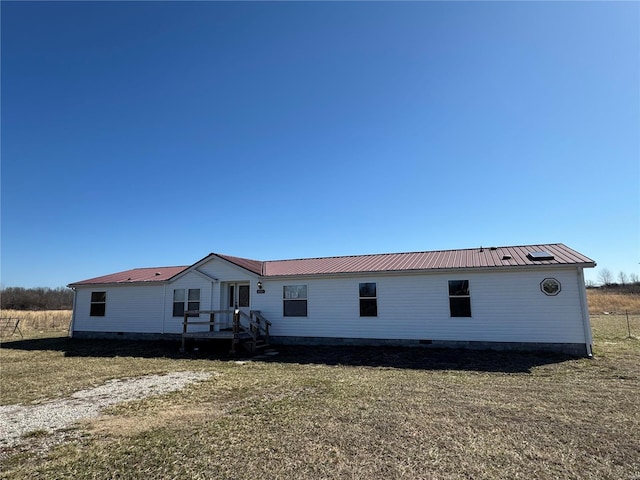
(238, 296)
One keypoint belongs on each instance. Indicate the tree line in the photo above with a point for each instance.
(41, 298)
(607, 279)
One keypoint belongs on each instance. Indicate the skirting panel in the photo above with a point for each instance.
(575, 349)
(127, 335)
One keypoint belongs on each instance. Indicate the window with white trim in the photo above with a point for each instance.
(184, 300)
(368, 299)
(98, 304)
(294, 300)
(459, 298)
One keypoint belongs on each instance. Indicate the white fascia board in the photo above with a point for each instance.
(235, 265)
(208, 277)
(199, 263)
(190, 268)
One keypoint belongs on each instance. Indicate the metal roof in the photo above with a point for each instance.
(482, 257)
(557, 254)
(136, 275)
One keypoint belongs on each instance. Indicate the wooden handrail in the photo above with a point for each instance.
(261, 322)
(198, 312)
(256, 325)
(259, 316)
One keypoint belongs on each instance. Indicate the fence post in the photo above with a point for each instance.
(628, 324)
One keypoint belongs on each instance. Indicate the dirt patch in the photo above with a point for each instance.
(124, 426)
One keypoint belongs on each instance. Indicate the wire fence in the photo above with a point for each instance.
(616, 325)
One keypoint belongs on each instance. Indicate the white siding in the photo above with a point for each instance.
(210, 290)
(505, 307)
(208, 294)
(131, 308)
(225, 271)
(149, 308)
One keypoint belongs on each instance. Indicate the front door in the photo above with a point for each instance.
(238, 296)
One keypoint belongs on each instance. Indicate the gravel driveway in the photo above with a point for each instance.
(17, 420)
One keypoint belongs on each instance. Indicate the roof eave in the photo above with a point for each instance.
(430, 270)
(119, 284)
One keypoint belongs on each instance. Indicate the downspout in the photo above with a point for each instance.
(73, 313)
(584, 307)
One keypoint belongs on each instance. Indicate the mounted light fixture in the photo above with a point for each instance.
(259, 285)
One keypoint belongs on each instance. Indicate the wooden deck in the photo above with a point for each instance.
(251, 331)
(222, 335)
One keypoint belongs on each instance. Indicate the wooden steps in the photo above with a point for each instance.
(251, 331)
(253, 346)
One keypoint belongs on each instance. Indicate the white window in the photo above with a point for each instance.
(459, 298)
(368, 300)
(98, 304)
(191, 300)
(294, 300)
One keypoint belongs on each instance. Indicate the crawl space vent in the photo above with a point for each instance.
(539, 256)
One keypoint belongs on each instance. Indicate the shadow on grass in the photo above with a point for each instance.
(386, 357)
(421, 358)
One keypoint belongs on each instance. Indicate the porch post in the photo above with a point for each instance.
(184, 330)
(236, 328)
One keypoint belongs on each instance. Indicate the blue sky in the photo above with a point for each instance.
(153, 133)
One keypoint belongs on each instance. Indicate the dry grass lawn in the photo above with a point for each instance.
(319, 413)
(44, 322)
(603, 300)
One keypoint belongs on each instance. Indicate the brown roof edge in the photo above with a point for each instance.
(254, 266)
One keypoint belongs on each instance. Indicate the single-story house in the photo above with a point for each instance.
(529, 297)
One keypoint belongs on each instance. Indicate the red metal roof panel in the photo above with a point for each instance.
(434, 260)
(254, 266)
(152, 274)
(487, 257)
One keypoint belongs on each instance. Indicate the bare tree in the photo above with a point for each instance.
(622, 278)
(633, 278)
(605, 277)
(39, 298)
